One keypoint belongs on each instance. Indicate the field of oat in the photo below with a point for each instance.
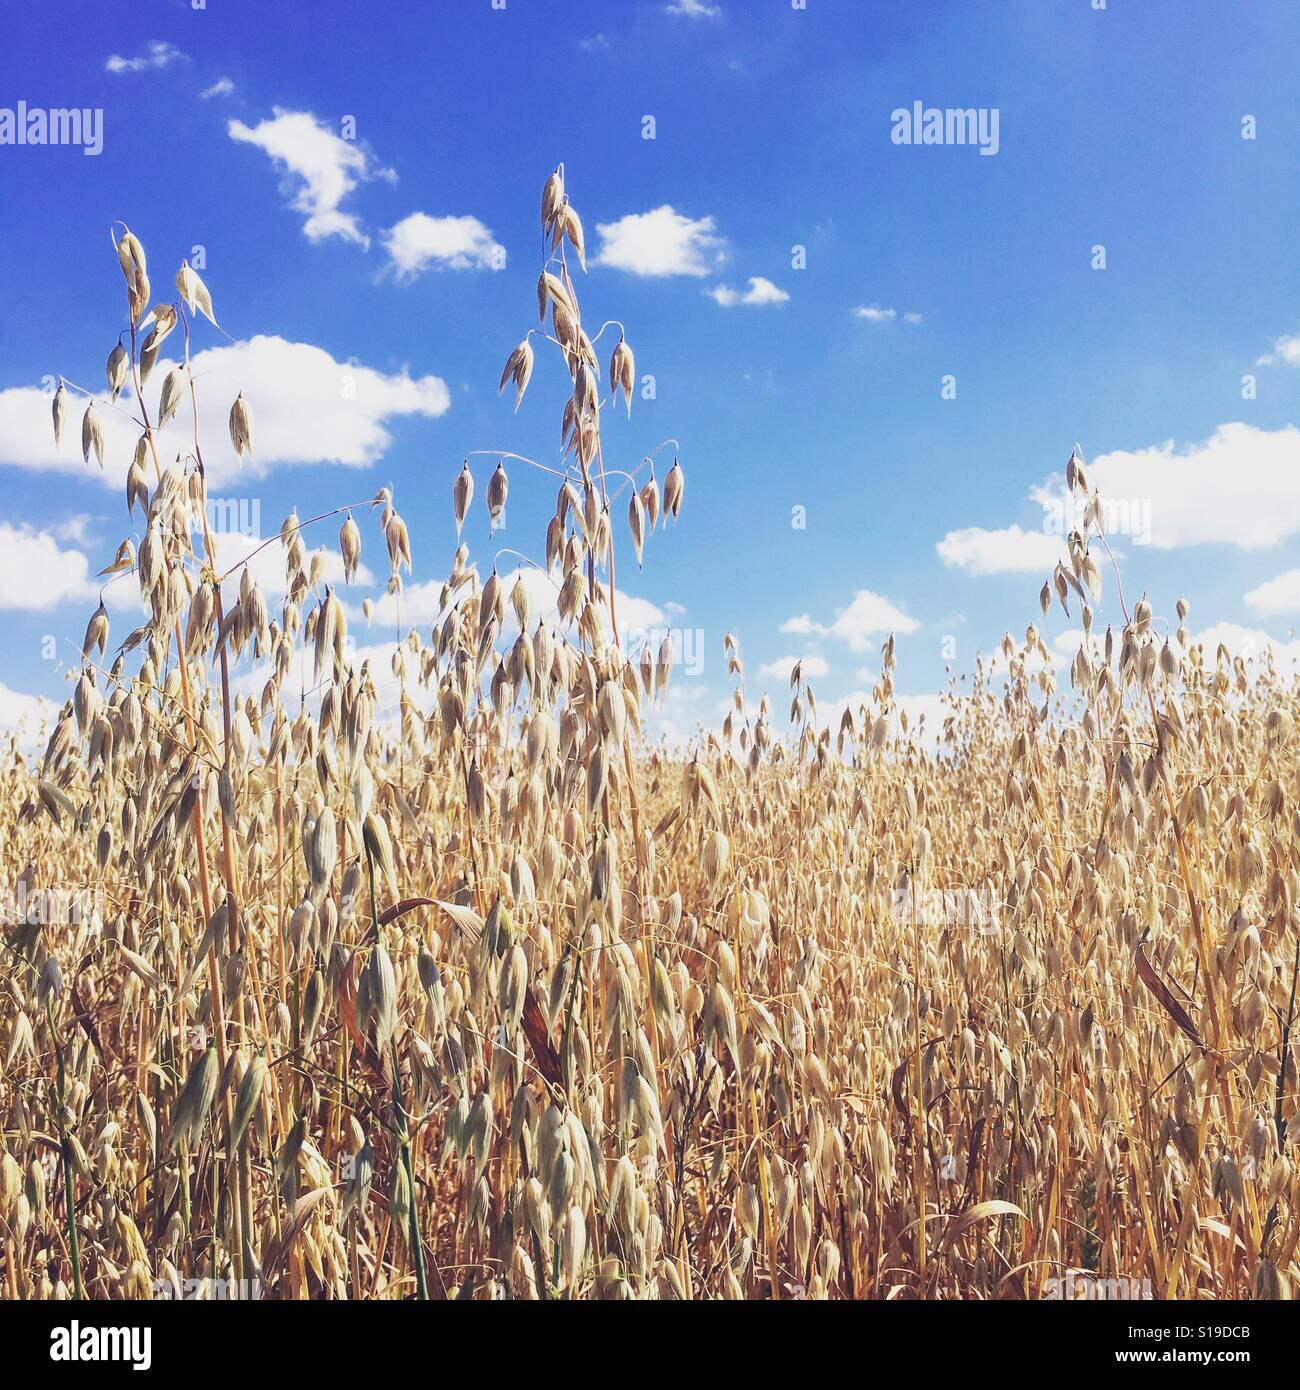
(493, 997)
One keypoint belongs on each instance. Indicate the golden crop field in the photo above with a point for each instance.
(490, 995)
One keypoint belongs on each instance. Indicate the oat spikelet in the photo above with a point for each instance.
(241, 426)
(194, 292)
(518, 368)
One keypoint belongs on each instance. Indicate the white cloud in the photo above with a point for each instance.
(158, 54)
(457, 243)
(1237, 488)
(35, 574)
(307, 408)
(660, 242)
(1008, 551)
(420, 604)
(875, 313)
(867, 617)
(638, 615)
(934, 709)
(760, 291)
(325, 166)
(1280, 595)
(931, 707)
(693, 9)
(1250, 643)
(28, 710)
(814, 667)
(266, 561)
(74, 527)
(680, 717)
(1287, 349)
(1065, 646)
(301, 675)
(222, 87)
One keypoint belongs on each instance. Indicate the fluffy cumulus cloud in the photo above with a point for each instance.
(659, 243)
(390, 664)
(157, 54)
(678, 719)
(693, 9)
(866, 618)
(419, 242)
(266, 561)
(19, 710)
(1285, 350)
(1280, 595)
(1236, 488)
(308, 407)
(1011, 550)
(814, 667)
(37, 573)
(1252, 644)
(915, 708)
(320, 167)
(760, 291)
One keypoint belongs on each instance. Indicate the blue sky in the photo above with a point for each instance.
(405, 259)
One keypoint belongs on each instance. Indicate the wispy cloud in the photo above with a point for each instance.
(454, 243)
(75, 527)
(693, 9)
(158, 54)
(660, 242)
(222, 87)
(323, 168)
(760, 291)
(875, 313)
